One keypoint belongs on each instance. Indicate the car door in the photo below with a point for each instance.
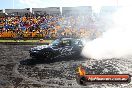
(65, 47)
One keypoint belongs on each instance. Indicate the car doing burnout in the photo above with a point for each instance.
(59, 48)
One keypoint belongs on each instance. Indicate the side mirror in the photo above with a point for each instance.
(61, 45)
(81, 46)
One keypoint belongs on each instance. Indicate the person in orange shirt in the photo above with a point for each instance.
(24, 19)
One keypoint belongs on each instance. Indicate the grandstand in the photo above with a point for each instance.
(17, 12)
(81, 10)
(48, 22)
(2, 13)
(43, 11)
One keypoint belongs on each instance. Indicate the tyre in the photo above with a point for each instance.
(48, 55)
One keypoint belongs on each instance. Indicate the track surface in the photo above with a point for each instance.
(18, 70)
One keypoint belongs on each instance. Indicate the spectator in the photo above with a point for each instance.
(48, 26)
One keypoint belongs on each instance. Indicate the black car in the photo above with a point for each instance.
(59, 48)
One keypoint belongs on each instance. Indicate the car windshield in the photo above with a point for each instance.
(56, 42)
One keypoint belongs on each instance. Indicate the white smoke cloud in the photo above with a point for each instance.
(116, 42)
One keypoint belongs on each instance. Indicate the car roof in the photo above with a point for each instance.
(67, 38)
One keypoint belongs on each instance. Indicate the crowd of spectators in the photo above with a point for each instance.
(48, 26)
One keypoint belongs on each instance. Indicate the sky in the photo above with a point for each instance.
(4, 4)
(18, 4)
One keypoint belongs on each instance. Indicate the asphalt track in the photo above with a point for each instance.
(18, 70)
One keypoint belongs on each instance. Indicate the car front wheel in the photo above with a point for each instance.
(48, 55)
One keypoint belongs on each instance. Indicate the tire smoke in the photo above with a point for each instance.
(116, 42)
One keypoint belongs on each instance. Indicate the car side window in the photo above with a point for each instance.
(66, 43)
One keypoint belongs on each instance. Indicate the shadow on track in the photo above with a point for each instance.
(34, 61)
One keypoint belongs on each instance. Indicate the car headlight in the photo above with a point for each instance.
(31, 49)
